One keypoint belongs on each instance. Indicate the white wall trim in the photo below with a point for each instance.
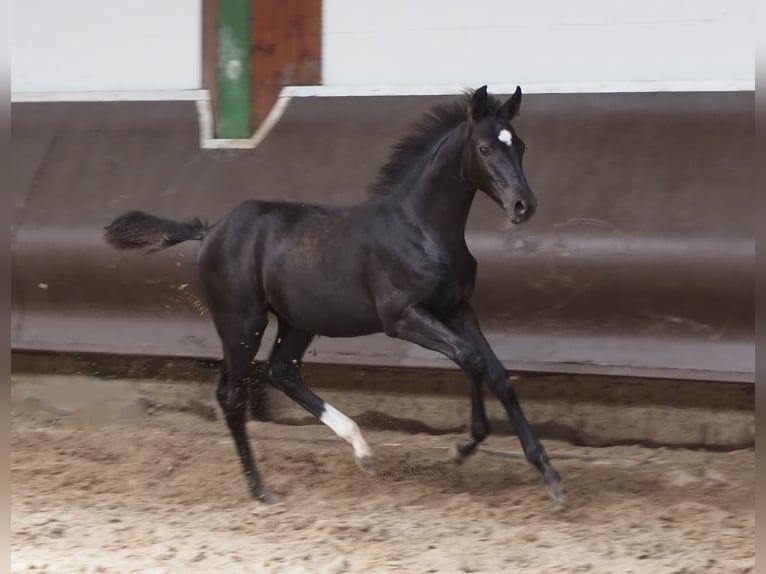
(206, 131)
(528, 88)
(394, 90)
(110, 96)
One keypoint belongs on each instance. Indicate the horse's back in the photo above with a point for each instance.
(303, 261)
(324, 268)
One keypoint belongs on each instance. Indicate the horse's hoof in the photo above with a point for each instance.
(366, 464)
(455, 455)
(461, 450)
(556, 491)
(265, 496)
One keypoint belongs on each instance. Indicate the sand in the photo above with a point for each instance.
(160, 491)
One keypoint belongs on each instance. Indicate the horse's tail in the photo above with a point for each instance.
(139, 230)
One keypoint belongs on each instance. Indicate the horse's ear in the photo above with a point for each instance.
(511, 108)
(478, 107)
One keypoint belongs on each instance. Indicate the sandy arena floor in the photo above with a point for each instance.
(163, 493)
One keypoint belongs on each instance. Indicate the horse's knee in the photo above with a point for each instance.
(222, 393)
(473, 364)
(502, 387)
(231, 395)
(279, 374)
(227, 401)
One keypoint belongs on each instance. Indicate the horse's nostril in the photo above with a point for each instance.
(520, 207)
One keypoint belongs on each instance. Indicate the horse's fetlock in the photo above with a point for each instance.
(537, 456)
(480, 430)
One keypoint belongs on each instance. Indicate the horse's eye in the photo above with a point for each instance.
(484, 150)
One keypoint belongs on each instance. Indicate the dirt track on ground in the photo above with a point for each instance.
(163, 493)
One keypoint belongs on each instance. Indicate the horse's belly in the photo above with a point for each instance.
(329, 306)
(328, 315)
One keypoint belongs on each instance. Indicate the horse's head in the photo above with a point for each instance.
(493, 155)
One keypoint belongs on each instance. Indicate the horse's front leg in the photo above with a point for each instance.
(466, 325)
(463, 323)
(470, 351)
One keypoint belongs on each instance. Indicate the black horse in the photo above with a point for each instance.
(396, 263)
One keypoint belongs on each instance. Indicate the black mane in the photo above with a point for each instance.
(422, 137)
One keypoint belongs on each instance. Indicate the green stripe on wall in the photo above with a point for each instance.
(233, 69)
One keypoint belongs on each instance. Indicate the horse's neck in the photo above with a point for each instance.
(441, 199)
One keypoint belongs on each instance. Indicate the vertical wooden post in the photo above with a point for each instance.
(286, 41)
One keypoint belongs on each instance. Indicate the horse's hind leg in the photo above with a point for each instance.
(241, 338)
(284, 374)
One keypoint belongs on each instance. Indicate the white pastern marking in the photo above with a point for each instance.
(346, 429)
(505, 137)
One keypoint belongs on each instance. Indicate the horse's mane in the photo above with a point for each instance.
(423, 135)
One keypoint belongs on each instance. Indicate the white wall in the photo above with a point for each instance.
(426, 42)
(84, 45)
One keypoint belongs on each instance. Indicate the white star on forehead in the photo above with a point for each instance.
(505, 137)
